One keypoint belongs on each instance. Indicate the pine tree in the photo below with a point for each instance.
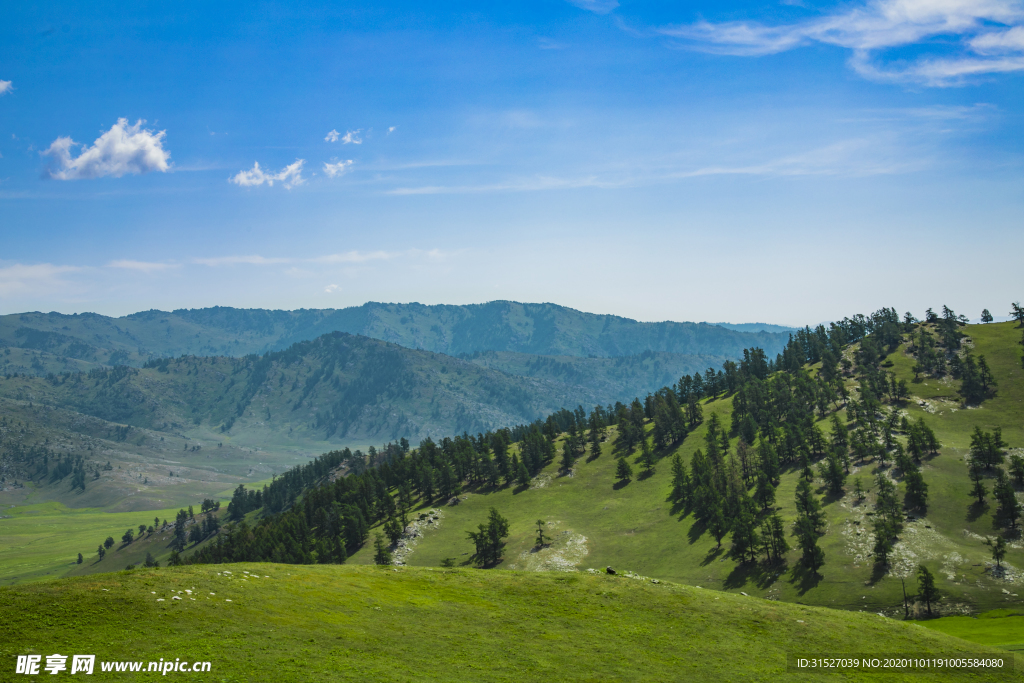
(522, 475)
(540, 532)
(916, 496)
(764, 494)
(680, 480)
(646, 456)
(623, 472)
(489, 539)
(718, 525)
(926, 589)
(381, 552)
(978, 489)
(745, 538)
(80, 558)
(392, 529)
(101, 551)
(998, 550)
(813, 557)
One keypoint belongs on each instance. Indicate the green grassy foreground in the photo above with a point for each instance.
(350, 623)
(1002, 628)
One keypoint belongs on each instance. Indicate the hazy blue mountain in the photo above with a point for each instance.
(756, 327)
(540, 329)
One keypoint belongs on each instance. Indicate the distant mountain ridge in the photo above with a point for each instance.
(540, 329)
(756, 327)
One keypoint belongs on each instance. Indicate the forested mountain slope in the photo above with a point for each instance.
(830, 475)
(544, 329)
(336, 387)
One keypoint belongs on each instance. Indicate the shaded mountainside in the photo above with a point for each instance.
(543, 329)
(337, 387)
(618, 379)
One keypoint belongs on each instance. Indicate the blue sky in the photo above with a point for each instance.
(787, 162)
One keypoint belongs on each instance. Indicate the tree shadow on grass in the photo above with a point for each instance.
(646, 474)
(831, 497)
(976, 510)
(878, 572)
(592, 457)
(519, 489)
(804, 578)
(621, 484)
(712, 556)
(696, 531)
(762, 575)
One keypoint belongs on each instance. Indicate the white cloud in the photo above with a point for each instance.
(252, 259)
(352, 137)
(5, 87)
(331, 289)
(32, 278)
(122, 149)
(337, 169)
(986, 37)
(332, 136)
(142, 266)
(290, 176)
(353, 257)
(392, 129)
(596, 6)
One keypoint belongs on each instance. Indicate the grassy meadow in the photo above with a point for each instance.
(262, 622)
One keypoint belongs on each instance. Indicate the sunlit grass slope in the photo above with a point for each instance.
(594, 523)
(348, 623)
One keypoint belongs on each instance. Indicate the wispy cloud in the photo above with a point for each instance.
(331, 289)
(5, 87)
(983, 36)
(596, 6)
(337, 168)
(122, 149)
(290, 176)
(392, 129)
(20, 277)
(352, 137)
(250, 259)
(354, 257)
(332, 136)
(142, 266)
(538, 183)
(257, 260)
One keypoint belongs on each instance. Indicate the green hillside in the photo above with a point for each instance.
(259, 622)
(638, 527)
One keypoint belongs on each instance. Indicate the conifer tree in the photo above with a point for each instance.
(646, 456)
(489, 539)
(764, 494)
(926, 589)
(680, 480)
(623, 472)
(998, 549)
(381, 552)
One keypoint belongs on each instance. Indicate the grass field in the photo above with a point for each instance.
(42, 541)
(999, 628)
(349, 623)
